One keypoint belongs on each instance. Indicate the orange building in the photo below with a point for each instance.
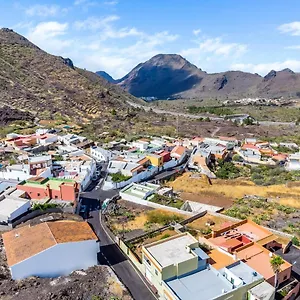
(38, 188)
(251, 243)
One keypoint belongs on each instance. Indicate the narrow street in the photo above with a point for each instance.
(111, 255)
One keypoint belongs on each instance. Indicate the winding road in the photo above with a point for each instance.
(186, 115)
(112, 255)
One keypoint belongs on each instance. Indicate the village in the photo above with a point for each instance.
(185, 216)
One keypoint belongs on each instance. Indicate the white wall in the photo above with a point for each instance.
(19, 211)
(58, 260)
(140, 201)
(16, 175)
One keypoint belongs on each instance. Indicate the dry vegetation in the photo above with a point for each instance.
(208, 222)
(133, 220)
(222, 191)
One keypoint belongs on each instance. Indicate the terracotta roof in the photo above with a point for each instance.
(258, 258)
(27, 241)
(69, 231)
(219, 259)
(250, 146)
(143, 161)
(180, 150)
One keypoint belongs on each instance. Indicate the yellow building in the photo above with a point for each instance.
(156, 160)
(180, 270)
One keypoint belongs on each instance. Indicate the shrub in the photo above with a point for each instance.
(162, 218)
(165, 236)
(119, 177)
(295, 241)
(43, 206)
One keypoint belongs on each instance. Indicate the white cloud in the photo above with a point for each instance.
(85, 4)
(196, 31)
(295, 47)
(263, 69)
(118, 61)
(47, 35)
(80, 2)
(95, 23)
(292, 28)
(111, 3)
(215, 46)
(43, 10)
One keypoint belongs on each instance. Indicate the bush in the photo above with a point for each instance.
(162, 218)
(227, 170)
(214, 110)
(165, 236)
(43, 206)
(119, 177)
(295, 241)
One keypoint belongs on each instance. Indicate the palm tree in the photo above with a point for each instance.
(276, 262)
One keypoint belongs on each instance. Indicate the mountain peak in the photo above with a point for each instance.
(106, 76)
(270, 75)
(8, 36)
(173, 60)
(287, 70)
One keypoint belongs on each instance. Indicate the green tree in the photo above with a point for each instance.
(276, 262)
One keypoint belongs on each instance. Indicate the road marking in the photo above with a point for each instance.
(132, 265)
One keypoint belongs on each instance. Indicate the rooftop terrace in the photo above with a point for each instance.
(41, 182)
(189, 287)
(172, 251)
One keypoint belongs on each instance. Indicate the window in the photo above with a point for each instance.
(38, 194)
(56, 197)
(147, 261)
(285, 277)
(156, 273)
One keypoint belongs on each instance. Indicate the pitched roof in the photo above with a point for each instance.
(24, 242)
(179, 150)
(250, 146)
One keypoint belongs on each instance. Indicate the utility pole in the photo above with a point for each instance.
(177, 126)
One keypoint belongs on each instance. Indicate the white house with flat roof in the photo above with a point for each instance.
(12, 205)
(135, 192)
(101, 154)
(293, 163)
(179, 269)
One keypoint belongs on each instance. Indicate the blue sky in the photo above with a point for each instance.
(116, 35)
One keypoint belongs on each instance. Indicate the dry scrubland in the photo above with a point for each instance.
(227, 190)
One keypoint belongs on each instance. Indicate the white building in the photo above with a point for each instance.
(80, 168)
(71, 139)
(141, 145)
(100, 154)
(293, 163)
(50, 249)
(47, 138)
(12, 205)
(16, 172)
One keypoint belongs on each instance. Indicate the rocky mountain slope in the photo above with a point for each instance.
(170, 75)
(106, 76)
(33, 80)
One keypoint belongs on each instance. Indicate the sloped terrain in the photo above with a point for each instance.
(33, 80)
(171, 76)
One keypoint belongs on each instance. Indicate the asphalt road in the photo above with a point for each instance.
(162, 111)
(111, 255)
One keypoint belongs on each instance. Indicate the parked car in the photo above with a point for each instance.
(83, 208)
